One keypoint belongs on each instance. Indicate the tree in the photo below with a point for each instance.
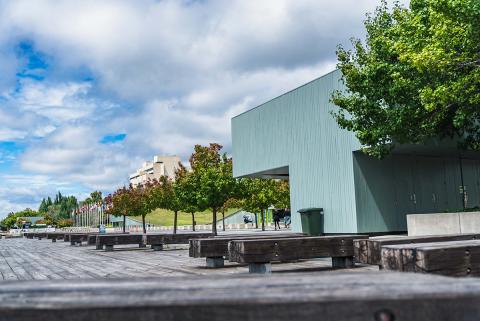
(259, 195)
(214, 182)
(171, 201)
(43, 208)
(49, 201)
(138, 202)
(230, 203)
(96, 197)
(162, 194)
(416, 77)
(120, 203)
(185, 189)
(282, 198)
(12, 218)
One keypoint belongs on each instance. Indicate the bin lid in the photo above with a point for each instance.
(310, 209)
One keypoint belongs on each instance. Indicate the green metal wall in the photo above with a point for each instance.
(387, 190)
(298, 131)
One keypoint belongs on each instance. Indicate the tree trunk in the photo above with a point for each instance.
(256, 220)
(193, 221)
(143, 223)
(214, 221)
(223, 218)
(124, 222)
(263, 219)
(175, 222)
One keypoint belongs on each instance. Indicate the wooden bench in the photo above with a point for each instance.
(454, 258)
(374, 296)
(79, 238)
(156, 241)
(28, 235)
(215, 250)
(369, 251)
(110, 240)
(55, 236)
(259, 254)
(40, 235)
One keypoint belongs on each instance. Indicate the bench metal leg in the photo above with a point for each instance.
(141, 245)
(108, 248)
(344, 262)
(215, 262)
(72, 243)
(157, 247)
(99, 247)
(260, 268)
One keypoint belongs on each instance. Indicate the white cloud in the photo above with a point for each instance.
(74, 154)
(169, 74)
(140, 50)
(19, 191)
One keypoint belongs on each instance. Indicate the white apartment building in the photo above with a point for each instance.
(161, 166)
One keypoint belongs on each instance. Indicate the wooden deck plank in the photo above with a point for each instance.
(46, 260)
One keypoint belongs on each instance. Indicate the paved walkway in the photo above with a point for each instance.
(27, 259)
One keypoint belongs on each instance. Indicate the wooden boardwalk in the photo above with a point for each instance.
(27, 259)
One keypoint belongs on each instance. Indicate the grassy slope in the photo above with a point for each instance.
(165, 218)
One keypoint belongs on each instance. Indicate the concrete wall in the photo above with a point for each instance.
(443, 223)
(161, 166)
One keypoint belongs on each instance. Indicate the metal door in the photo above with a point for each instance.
(405, 198)
(470, 170)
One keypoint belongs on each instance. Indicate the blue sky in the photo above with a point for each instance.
(91, 89)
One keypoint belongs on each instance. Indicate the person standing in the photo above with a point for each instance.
(287, 219)
(276, 218)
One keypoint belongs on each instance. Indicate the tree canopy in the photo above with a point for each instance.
(58, 210)
(415, 78)
(13, 217)
(213, 179)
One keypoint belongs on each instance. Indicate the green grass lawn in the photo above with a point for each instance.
(161, 217)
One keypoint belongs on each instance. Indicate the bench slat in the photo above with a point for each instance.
(269, 250)
(179, 238)
(218, 246)
(374, 245)
(454, 258)
(306, 296)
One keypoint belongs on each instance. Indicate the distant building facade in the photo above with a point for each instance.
(161, 166)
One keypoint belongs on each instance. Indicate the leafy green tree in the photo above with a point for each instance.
(259, 195)
(65, 223)
(43, 208)
(96, 197)
(213, 179)
(58, 198)
(185, 189)
(163, 195)
(415, 78)
(120, 204)
(282, 199)
(232, 202)
(13, 217)
(139, 202)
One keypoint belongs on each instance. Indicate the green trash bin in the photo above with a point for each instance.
(312, 220)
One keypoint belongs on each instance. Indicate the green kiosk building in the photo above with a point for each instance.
(295, 137)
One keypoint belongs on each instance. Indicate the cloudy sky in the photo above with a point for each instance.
(90, 89)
